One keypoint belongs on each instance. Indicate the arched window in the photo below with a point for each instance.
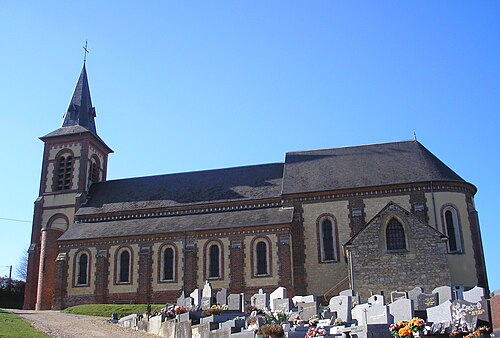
(63, 173)
(168, 264)
(261, 258)
(328, 241)
(82, 269)
(452, 230)
(213, 261)
(124, 267)
(94, 170)
(395, 235)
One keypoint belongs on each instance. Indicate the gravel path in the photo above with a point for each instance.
(63, 325)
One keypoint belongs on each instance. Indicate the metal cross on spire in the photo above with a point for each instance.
(86, 51)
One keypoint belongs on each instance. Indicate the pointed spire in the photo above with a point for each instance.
(80, 110)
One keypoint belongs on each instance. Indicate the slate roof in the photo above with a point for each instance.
(208, 186)
(161, 225)
(363, 166)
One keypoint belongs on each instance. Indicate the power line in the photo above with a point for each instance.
(14, 220)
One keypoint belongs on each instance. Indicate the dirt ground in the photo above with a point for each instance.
(63, 325)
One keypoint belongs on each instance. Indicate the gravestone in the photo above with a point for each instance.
(413, 294)
(307, 310)
(181, 301)
(200, 331)
(260, 300)
(358, 313)
(465, 314)
(425, 301)
(444, 294)
(395, 295)
(281, 305)
(128, 321)
(475, 294)
(303, 299)
(222, 297)
(376, 300)
(206, 303)
(154, 325)
(377, 314)
(235, 302)
(279, 293)
(342, 306)
(182, 330)
(188, 302)
(401, 309)
(355, 298)
(439, 313)
(457, 292)
(196, 295)
(207, 290)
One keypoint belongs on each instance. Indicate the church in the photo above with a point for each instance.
(373, 218)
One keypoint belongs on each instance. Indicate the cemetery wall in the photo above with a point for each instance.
(423, 263)
(321, 276)
(88, 289)
(462, 265)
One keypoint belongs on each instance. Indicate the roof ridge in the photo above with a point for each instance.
(352, 146)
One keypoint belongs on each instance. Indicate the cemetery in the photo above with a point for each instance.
(207, 313)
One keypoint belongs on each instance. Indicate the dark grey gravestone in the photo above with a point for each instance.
(206, 303)
(413, 294)
(307, 310)
(395, 295)
(234, 302)
(425, 301)
(401, 309)
(465, 314)
(342, 306)
(222, 297)
(282, 305)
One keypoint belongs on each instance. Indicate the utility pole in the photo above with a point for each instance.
(10, 275)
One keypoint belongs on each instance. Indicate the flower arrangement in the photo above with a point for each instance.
(478, 332)
(316, 331)
(455, 333)
(271, 330)
(277, 317)
(405, 329)
(214, 310)
(338, 322)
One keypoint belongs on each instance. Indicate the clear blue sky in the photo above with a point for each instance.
(213, 84)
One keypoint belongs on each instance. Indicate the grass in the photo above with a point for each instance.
(105, 310)
(11, 325)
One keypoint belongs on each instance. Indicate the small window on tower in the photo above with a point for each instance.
(63, 173)
(94, 170)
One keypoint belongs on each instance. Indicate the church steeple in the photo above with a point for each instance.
(80, 111)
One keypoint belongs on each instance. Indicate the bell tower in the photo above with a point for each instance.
(74, 157)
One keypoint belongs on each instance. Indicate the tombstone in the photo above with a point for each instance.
(444, 294)
(181, 301)
(128, 321)
(475, 294)
(342, 306)
(188, 302)
(465, 314)
(154, 325)
(425, 300)
(413, 294)
(376, 300)
(207, 290)
(222, 297)
(401, 309)
(348, 292)
(260, 300)
(200, 330)
(182, 329)
(396, 295)
(355, 298)
(358, 313)
(439, 313)
(279, 293)
(303, 299)
(281, 305)
(457, 292)
(235, 302)
(377, 314)
(206, 303)
(307, 310)
(196, 295)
